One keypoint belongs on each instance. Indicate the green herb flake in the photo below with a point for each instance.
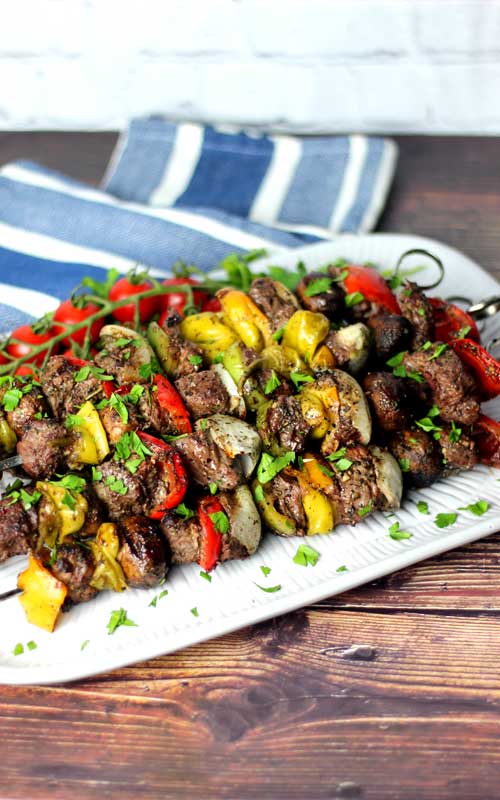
(157, 597)
(73, 482)
(31, 645)
(338, 454)
(195, 612)
(116, 485)
(427, 425)
(365, 510)
(206, 576)
(116, 402)
(318, 286)
(326, 471)
(353, 299)
(455, 433)
(444, 520)
(72, 421)
(299, 378)
(118, 619)
(265, 571)
(426, 345)
(183, 511)
(343, 464)
(397, 534)
(272, 384)
(195, 360)
(96, 474)
(146, 371)
(135, 394)
(29, 500)
(404, 464)
(220, 521)
(306, 555)
(342, 568)
(18, 649)
(463, 332)
(11, 399)
(396, 360)
(278, 335)
(269, 589)
(82, 374)
(269, 467)
(219, 358)
(423, 507)
(84, 644)
(478, 509)
(421, 311)
(213, 487)
(69, 500)
(438, 351)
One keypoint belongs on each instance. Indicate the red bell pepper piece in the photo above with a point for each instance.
(170, 400)
(211, 539)
(486, 434)
(372, 286)
(450, 319)
(485, 368)
(171, 472)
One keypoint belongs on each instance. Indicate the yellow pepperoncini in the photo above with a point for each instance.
(42, 594)
(61, 512)
(92, 445)
(108, 573)
(241, 313)
(320, 407)
(319, 510)
(305, 332)
(208, 330)
(283, 360)
(8, 438)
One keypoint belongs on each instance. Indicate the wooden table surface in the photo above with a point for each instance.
(289, 709)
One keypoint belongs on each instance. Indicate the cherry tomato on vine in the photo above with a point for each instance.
(30, 336)
(3, 360)
(212, 304)
(69, 314)
(127, 287)
(24, 370)
(176, 301)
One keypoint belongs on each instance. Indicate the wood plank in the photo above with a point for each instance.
(286, 708)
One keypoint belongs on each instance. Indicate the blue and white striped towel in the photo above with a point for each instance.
(181, 192)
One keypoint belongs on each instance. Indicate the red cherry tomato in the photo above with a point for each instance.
(3, 360)
(28, 339)
(24, 370)
(176, 301)
(124, 288)
(485, 368)
(213, 304)
(486, 434)
(69, 314)
(450, 320)
(372, 286)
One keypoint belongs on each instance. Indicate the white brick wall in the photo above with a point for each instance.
(299, 65)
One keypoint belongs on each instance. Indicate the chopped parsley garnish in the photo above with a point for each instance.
(206, 576)
(31, 645)
(219, 358)
(427, 424)
(213, 487)
(326, 471)
(203, 424)
(72, 421)
(118, 619)
(116, 485)
(90, 369)
(272, 384)
(122, 342)
(96, 474)
(84, 644)
(269, 589)
(362, 512)
(220, 521)
(158, 597)
(402, 372)
(116, 402)
(135, 394)
(397, 534)
(69, 500)
(82, 374)
(269, 466)
(169, 438)
(421, 311)
(298, 378)
(258, 493)
(423, 507)
(455, 433)
(342, 568)
(479, 508)
(146, 371)
(404, 463)
(183, 511)
(128, 445)
(340, 463)
(28, 500)
(306, 555)
(18, 649)
(318, 286)
(463, 332)
(265, 571)
(278, 335)
(444, 520)
(73, 482)
(195, 612)
(396, 360)
(438, 351)
(342, 275)
(287, 278)
(353, 299)
(195, 360)
(426, 345)
(11, 399)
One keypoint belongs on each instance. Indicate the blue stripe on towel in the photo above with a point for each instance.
(57, 278)
(316, 185)
(229, 172)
